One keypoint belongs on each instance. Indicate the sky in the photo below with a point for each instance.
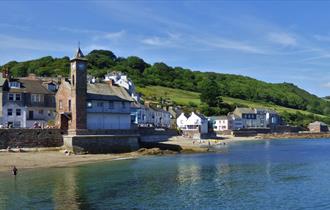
(273, 41)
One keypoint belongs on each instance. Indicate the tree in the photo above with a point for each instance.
(210, 93)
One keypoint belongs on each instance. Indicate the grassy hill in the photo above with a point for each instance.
(235, 89)
(189, 98)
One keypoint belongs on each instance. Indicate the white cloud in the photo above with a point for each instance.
(114, 35)
(171, 40)
(282, 38)
(233, 45)
(326, 85)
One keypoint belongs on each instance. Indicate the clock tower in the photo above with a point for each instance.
(77, 103)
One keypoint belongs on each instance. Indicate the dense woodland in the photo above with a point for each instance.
(101, 62)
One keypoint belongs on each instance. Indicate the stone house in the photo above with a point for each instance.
(235, 122)
(83, 105)
(162, 118)
(257, 118)
(318, 127)
(27, 101)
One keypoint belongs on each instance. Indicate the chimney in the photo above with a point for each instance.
(32, 76)
(5, 73)
(110, 82)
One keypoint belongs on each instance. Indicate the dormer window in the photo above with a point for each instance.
(14, 84)
(51, 87)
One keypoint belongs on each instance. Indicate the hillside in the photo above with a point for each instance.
(190, 98)
(159, 74)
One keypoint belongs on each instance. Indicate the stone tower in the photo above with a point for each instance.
(77, 104)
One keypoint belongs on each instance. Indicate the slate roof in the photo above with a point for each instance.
(245, 110)
(31, 86)
(104, 91)
(219, 117)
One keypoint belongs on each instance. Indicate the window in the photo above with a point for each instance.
(123, 104)
(69, 104)
(89, 104)
(41, 111)
(9, 112)
(51, 87)
(18, 112)
(99, 104)
(17, 97)
(60, 104)
(14, 84)
(73, 80)
(111, 105)
(11, 97)
(35, 97)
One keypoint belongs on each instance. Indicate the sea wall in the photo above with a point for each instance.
(156, 135)
(305, 135)
(96, 144)
(29, 138)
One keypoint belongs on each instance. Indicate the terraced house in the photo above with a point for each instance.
(27, 101)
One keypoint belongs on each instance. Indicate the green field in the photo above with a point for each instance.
(182, 97)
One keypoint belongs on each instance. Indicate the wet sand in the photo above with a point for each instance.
(26, 160)
(38, 158)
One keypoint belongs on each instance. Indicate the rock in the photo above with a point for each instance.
(155, 151)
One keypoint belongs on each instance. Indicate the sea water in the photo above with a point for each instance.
(269, 174)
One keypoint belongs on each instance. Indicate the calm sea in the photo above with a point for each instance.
(274, 174)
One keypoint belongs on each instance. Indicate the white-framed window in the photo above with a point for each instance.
(18, 112)
(11, 97)
(14, 84)
(9, 112)
(36, 97)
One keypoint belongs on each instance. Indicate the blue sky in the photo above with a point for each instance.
(272, 41)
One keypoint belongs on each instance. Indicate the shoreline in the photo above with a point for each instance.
(32, 158)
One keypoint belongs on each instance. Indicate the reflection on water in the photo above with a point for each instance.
(258, 175)
(65, 194)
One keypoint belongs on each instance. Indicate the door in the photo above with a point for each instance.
(30, 115)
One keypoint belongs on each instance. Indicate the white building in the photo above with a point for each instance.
(220, 123)
(122, 80)
(181, 121)
(28, 101)
(197, 122)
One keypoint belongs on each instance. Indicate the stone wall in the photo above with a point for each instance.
(96, 144)
(156, 135)
(29, 138)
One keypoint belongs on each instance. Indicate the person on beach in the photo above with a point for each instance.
(14, 171)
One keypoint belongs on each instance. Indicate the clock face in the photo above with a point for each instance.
(81, 65)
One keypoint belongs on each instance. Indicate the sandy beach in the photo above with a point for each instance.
(26, 160)
(44, 159)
